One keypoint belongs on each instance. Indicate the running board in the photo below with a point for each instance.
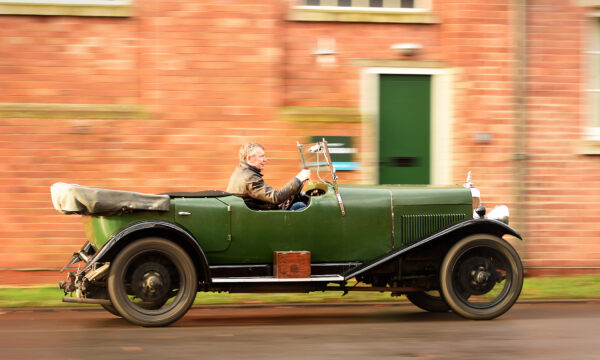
(271, 279)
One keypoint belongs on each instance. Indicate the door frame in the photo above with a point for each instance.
(440, 121)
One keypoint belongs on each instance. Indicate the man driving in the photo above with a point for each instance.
(247, 181)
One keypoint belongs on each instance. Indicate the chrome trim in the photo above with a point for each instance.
(98, 273)
(83, 256)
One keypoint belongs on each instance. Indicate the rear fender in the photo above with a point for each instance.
(452, 233)
(154, 228)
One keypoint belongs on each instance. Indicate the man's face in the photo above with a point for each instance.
(257, 158)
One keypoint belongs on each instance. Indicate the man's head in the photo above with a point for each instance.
(253, 154)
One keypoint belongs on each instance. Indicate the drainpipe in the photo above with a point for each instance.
(519, 9)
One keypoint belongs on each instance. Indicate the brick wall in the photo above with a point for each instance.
(204, 77)
(475, 42)
(563, 185)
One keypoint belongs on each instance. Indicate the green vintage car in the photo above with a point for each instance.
(148, 255)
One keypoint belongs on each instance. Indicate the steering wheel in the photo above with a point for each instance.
(296, 197)
(316, 189)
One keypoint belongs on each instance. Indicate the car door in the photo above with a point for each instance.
(207, 219)
(257, 234)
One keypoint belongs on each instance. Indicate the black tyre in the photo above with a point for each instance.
(481, 277)
(111, 309)
(428, 300)
(152, 282)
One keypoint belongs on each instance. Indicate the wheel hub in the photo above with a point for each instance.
(151, 282)
(480, 276)
(477, 276)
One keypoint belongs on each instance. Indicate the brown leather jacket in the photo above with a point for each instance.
(247, 182)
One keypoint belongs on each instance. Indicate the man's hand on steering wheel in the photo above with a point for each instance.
(302, 176)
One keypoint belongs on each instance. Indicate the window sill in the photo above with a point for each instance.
(71, 111)
(366, 15)
(588, 3)
(103, 8)
(320, 114)
(398, 63)
(591, 142)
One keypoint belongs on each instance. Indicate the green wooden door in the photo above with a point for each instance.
(404, 126)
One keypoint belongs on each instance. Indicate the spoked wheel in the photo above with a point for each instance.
(111, 309)
(428, 300)
(481, 277)
(100, 292)
(152, 282)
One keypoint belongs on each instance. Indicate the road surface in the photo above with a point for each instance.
(558, 330)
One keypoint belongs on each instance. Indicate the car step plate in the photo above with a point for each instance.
(271, 279)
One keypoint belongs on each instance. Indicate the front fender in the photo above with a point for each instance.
(457, 231)
(144, 228)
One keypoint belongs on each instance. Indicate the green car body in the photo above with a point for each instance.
(147, 265)
(377, 221)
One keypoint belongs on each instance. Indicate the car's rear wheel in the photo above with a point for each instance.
(152, 282)
(428, 300)
(111, 309)
(481, 277)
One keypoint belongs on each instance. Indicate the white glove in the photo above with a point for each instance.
(303, 175)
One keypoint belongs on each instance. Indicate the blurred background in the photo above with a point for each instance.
(156, 96)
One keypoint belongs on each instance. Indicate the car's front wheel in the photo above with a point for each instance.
(481, 277)
(152, 282)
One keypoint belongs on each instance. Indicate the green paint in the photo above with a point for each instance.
(404, 128)
(99, 229)
(231, 233)
(208, 219)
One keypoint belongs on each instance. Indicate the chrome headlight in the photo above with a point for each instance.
(477, 208)
(499, 213)
(476, 195)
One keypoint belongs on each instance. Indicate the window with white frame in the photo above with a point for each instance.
(375, 4)
(594, 77)
(382, 11)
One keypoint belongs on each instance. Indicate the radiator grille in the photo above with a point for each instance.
(415, 227)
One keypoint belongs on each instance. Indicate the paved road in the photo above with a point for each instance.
(382, 331)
